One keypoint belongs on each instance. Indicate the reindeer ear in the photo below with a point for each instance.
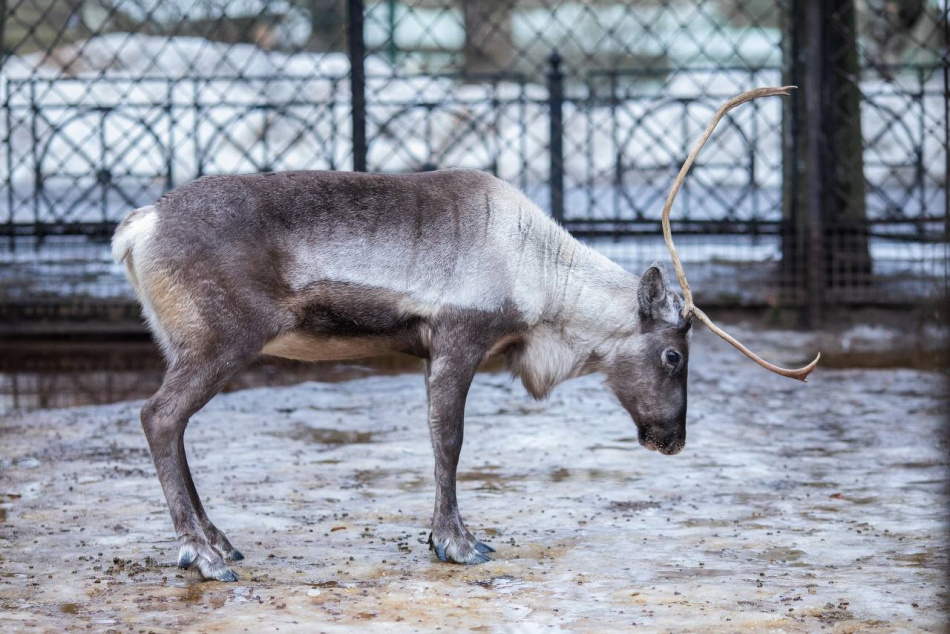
(652, 292)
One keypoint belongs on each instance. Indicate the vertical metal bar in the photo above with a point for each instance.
(266, 111)
(919, 171)
(791, 156)
(496, 135)
(8, 140)
(945, 62)
(588, 147)
(391, 18)
(9, 143)
(357, 49)
(37, 172)
(104, 172)
(523, 138)
(3, 24)
(556, 106)
(618, 149)
(945, 59)
(753, 177)
(169, 108)
(814, 72)
(199, 155)
(496, 123)
(684, 152)
(334, 132)
(430, 163)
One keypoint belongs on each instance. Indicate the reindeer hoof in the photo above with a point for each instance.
(459, 551)
(219, 574)
(234, 555)
(222, 545)
(477, 558)
(215, 570)
(186, 556)
(203, 556)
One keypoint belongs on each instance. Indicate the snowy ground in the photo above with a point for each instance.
(794, 507)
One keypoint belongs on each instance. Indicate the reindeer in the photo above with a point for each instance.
(450, 266)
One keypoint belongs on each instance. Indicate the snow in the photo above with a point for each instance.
(149, 108)
(438, 28)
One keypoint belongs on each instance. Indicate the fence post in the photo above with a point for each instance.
(946, 130)
(814, 85)
(827, 212)
(556, 104)
(803, 157)
(3, 24)
(357, 49)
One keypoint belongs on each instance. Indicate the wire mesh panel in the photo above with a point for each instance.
(106, 105)
(589, 106)
(901, 51)
(877, 71)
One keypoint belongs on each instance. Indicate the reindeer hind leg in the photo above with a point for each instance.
(193, 379)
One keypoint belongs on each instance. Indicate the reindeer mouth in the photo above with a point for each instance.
(667, 450)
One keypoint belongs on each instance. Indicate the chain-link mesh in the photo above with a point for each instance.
(590, 107)
(886, 233)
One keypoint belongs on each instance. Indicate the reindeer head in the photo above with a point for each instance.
(689, 308)
(648, 371)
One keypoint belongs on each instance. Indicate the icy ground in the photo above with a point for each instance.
(794, 507)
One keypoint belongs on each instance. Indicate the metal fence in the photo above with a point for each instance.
(838, 196)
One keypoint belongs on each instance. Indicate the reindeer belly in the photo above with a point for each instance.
(301, 346)
(336, 321)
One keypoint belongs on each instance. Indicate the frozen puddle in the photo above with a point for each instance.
(793, 507)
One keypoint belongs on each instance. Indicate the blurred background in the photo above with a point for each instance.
(801, 212)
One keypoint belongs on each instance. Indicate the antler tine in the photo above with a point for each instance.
(667, 233)
(801, 373)
(689, 308)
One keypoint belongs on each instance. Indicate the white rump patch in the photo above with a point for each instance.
(136, 229)
(129, 245)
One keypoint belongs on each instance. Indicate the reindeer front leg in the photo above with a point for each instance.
(448, 378)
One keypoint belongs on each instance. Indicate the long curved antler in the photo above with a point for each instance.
(689, 308)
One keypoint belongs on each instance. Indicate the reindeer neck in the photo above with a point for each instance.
(590, 298)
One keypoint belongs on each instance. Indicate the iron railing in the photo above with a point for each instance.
(589, 107)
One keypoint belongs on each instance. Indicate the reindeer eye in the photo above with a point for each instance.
(672, 357)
